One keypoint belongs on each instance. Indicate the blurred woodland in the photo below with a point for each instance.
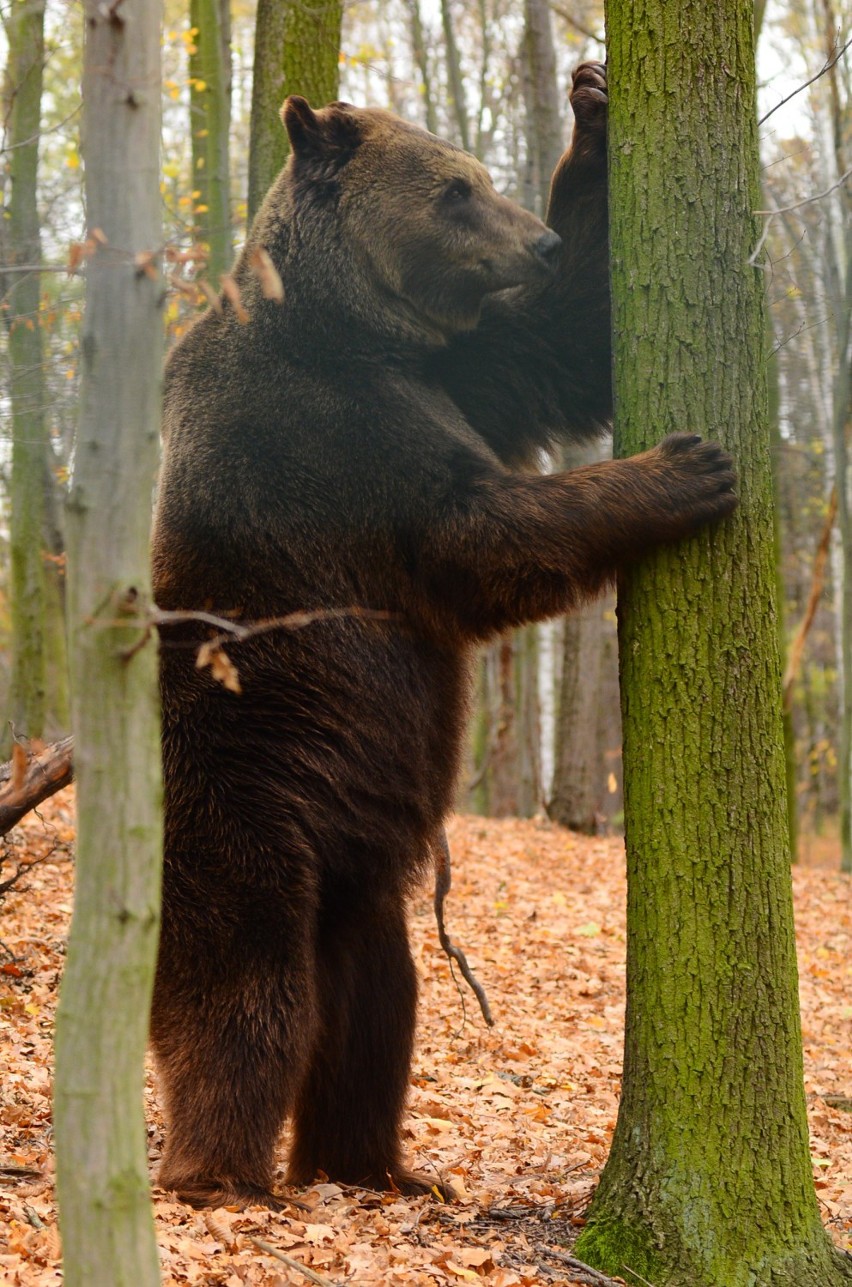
(492, 75)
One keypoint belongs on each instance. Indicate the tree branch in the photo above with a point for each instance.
(443, 879)
(797, 647)
(30, 778)
(825, 68)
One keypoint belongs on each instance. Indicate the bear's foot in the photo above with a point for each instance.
(415, 1183)
(223, 1193)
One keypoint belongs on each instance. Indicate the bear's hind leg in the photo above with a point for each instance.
(349, 1109)
(230, 1054)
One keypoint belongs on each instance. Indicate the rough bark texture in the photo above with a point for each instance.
(36, 690)
(210, 119)
(709, 1180)
(102, 1174)
(296, 51)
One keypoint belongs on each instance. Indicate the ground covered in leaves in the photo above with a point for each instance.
(518, 1117)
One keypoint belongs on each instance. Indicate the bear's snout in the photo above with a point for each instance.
(548, 247)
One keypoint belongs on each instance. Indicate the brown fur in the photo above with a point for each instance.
(356, 447)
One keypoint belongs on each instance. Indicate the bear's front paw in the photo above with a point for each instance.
(589, 102)
(700, 480)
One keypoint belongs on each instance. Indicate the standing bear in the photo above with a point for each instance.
(355, 453)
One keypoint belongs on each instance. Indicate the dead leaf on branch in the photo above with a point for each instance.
(232, 294)
(222, 668)
(267, 274)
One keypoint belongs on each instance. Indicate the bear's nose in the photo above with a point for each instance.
(548, 246)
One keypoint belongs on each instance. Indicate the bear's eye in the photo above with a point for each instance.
(458, 190)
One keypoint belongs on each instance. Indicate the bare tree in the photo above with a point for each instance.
(102, 1024)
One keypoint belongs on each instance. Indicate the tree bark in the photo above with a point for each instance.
(210, 121)
(709, 1180)
(38, 689)
(296, 51)
(102, 1024)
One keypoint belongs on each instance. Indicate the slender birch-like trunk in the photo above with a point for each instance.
(102, 1024)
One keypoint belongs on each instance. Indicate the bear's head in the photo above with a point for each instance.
(416, 219)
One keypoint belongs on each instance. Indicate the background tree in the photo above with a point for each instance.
(102, 1025)
(296, 51)
(38, 690)
(709, 1179)
(210, 122)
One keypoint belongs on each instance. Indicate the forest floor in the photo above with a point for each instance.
(518, 1118)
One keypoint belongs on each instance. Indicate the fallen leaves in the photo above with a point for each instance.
(517, 1118)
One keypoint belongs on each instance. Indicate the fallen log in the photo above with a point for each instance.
(31, 777)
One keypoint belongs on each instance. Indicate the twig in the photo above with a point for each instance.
(290, 1262)
(769, 215)
(443, 879)
(827, 67)
(585, 1273)
(794, 659)
(797, 205)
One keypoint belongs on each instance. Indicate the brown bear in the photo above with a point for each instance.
(359, 446)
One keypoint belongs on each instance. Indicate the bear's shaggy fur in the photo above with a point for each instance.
(358, 446)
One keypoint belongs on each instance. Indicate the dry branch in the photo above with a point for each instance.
(797, 647)
(295, 1265)
(29, 779)
(443, 879)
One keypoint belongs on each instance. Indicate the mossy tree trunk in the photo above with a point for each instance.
(38, 687)
(210, 123)
(709, 1179)
(296, 51)
(102, 1024)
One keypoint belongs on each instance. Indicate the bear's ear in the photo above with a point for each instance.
(331, 133)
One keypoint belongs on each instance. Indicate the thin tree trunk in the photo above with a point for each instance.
(454, 74)
(544, 118)
(102, 1024)
(840, 296)
(38, 690)
(709, 1179)
(578, 780)
(210, 120)
(421, 59)
(296, 51)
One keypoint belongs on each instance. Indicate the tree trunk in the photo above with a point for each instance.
(38, 689)
(578, 780)
(421, 59)
(709, 1180)
(102, 1025)
(210, 119)
(296, 51)
(579, 777)
(544, 118)
(458, 102)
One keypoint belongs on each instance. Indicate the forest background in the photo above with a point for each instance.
(492, 75)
